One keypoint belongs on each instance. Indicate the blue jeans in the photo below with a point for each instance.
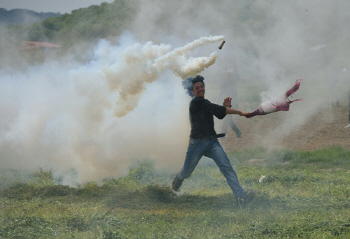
(212, 149)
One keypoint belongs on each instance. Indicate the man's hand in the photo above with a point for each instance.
(227, 102)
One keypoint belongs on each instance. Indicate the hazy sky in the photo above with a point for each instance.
(61, 6)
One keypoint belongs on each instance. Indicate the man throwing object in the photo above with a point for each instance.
(203, 138)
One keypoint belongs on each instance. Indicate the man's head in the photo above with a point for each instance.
(198, 89)
(195, 86)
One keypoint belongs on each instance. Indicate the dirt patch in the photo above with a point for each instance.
(323, 129)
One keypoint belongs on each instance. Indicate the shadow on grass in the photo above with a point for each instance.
(155, 196)
(146, 198)
(158, 197)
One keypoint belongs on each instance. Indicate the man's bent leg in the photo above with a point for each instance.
(222, 161)
(194, 154)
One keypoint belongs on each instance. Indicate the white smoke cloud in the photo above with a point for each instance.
(63, 116)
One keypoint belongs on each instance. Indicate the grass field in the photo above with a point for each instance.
(304, 194)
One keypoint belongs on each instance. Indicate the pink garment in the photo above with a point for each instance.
(279, 104)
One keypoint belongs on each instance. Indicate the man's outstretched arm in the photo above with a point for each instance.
(235, 112)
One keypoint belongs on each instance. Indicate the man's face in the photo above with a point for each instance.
(198, 89)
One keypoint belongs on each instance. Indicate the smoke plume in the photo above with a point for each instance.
(93, 121)
(141, 64)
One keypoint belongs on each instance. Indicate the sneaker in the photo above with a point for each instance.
(177, 184)
(245, 198)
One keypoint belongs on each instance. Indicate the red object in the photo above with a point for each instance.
(35, 45)
(280, 104)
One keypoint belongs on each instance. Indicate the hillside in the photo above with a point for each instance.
(323, 129)
(23, 16)
(84, 25)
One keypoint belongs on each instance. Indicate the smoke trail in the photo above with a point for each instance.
(143, 63)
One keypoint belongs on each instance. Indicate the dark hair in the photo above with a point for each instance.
(198, 78)
(189, 82)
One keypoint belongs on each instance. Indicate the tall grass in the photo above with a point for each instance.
(301, 194)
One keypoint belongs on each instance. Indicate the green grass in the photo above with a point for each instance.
(305, 194)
